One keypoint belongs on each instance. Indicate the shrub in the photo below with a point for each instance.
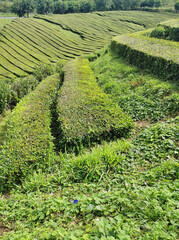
(28, 142)
(86, 114)
(158, 32)
(171, 29)
(158, 56)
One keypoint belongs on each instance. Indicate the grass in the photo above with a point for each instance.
(142, 96)
(121, 190)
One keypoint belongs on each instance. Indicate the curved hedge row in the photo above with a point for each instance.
(86, 114)
(28, 143)
(158, 56)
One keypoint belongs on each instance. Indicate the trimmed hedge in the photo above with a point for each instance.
(86, 114)
(28, 143)
(158, 56)
(171, 29)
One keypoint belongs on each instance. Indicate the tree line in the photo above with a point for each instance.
(24, 7)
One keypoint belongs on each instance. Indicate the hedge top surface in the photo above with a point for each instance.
(173, 23)
(156, 47)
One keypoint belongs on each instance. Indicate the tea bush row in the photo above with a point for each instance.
(86, 114)
(28, 143)
(156, 55)
(12, 90)
(167, 30)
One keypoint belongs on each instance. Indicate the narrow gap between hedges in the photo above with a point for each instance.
(55, 125)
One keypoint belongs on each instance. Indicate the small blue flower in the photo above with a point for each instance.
(75, 201)
(106, 197)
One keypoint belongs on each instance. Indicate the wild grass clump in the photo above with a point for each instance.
(28, 143)
(86, 114)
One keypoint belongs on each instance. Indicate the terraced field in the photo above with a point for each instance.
(91, 152)
(26, 42)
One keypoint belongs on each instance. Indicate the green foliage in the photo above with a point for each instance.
(11, 91)
(26, 42)
(141, 96)
(171, 29)
(177, 6)
(44, 7)
(131, 197)
(100, 118)
(22, 7)
(3, 22)
(28, 143)
(5, 7)
(148, 53)
(158, 32)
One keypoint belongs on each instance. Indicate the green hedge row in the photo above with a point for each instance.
(28, 143)
(171, 29)
(12, 90)
(158, 56)
(86, 114)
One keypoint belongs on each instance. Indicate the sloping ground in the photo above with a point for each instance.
(157, 55)
(25, 42)
(121, 190)
(86, 114)
(3, 22)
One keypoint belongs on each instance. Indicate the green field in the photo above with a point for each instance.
(89, 135)
(46, 39)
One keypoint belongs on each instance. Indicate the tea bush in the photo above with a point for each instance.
(28, 143)
(156, 55)
(86, 114)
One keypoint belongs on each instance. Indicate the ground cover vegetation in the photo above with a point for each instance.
(167, 30)
(123, 189)
(25, 42)
(158, 55)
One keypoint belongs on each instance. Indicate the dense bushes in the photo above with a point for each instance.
(158, 56)
(167, 30)
(86, 114)
(12, 90)
(28, 142)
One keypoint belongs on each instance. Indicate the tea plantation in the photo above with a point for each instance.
(89, 127)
